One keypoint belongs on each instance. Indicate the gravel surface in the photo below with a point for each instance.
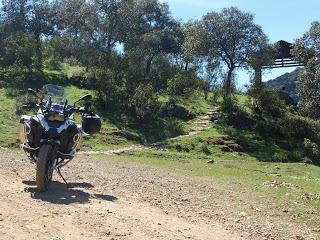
(111, 200)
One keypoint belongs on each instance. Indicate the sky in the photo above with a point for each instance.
(280, 19)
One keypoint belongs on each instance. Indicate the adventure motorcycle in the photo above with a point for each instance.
(51, 137)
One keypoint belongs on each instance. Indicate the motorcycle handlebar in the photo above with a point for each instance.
(81, 110)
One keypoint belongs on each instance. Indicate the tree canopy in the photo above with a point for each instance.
(123, 45)
(307, 50)
(232, 37)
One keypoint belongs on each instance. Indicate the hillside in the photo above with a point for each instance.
(287, 80)
(117, 131)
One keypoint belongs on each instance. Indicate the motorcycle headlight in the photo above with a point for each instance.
(55, 117)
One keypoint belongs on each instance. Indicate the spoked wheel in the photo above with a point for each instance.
(44, 168)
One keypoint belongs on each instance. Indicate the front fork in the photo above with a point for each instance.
(54, 159)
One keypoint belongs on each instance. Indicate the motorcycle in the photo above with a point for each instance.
(51, 138)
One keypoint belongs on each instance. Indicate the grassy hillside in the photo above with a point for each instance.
(117, 131)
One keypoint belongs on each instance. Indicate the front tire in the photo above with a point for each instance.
(44, 168)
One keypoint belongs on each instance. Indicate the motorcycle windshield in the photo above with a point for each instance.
(57, 93)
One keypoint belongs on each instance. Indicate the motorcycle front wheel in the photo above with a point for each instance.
(44, 168)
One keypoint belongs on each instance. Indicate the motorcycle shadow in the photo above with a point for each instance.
(60, 194)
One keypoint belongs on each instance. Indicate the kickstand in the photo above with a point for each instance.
(60, 174)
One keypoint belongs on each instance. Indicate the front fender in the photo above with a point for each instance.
(55, 147)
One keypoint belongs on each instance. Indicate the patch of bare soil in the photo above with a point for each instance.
(109, 200)
(280, 184)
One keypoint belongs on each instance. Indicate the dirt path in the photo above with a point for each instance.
(108, 207)
(200, 125)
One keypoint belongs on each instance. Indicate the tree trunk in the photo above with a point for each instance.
(257, 85)
(227, 84)
(149, 61)
(38, 52)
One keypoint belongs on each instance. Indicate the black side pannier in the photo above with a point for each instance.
(91, 123)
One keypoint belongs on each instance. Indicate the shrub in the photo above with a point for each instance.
(312, 151)
(229, 105)
(280, 157)
(296, 156)
(216, 93)
(183, 84)
(20, 77)
(110, 86)
(267, 102)
(173, 127)
(295, 129)
(205, 149)
(172, 109)
(236, 115)
(144, 102)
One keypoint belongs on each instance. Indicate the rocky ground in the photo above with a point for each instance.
(113, 200)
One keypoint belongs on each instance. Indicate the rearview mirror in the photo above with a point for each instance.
(86, 97)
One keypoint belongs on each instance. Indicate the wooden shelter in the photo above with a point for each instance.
(283, 56)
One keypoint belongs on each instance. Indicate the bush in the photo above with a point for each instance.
(20, 77)
(295, 129)
(183, 84)
(216, 93)
(267, 102)
(312, 151)
(296, 156)
(236, 115)
(172, 109)
(110, 86)
(173, 127)
(229, 105)
(144, 103)
(205, 149)
(280, 157)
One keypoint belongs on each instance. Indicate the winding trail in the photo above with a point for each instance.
(199, 125)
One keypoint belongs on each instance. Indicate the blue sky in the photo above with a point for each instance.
(280, 19)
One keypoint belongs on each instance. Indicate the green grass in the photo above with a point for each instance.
(65, 70)
(9, 121)
(73, 93)
(71, 71)
(194, 103)
(117, 131)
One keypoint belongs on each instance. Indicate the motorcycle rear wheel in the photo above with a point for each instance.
(44, 168)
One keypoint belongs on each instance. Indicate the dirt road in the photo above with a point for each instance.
(116, 200)
(101, 204)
